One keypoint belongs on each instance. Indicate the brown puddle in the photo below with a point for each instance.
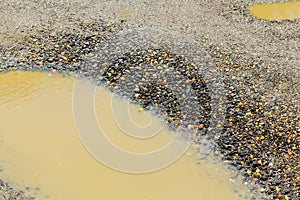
(276, 11)
(40, 148)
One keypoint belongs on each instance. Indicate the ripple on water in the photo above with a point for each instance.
(15, 89)
(19, 87)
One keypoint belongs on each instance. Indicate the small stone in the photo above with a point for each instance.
(262, 190)
(200, 126)
(240, 104)
(259, 162)
(122, 78)
(31, 57)
(277, 189)
(39, 63)
(64, 58)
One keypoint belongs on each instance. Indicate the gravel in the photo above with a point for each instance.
(8, 192)
(226, 80)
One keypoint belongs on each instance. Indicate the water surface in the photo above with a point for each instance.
(40, 148)
(276, 11)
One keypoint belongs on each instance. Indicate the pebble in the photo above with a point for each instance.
(260, 135)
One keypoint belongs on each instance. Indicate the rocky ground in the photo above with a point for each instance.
(208, 67)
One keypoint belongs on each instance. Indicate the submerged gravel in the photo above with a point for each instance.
(230, 82)
(7, 192)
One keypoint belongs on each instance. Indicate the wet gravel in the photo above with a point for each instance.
(8, 192)
(237, 98)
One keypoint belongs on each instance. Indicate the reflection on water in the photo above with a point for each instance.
(42, 149)
(276, 11)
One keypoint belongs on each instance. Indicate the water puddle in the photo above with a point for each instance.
(276, 11)
(40, 148)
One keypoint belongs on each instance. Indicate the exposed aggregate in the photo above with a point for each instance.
(260, 134)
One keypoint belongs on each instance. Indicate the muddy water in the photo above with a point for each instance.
(276, 11)
(40, 148)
